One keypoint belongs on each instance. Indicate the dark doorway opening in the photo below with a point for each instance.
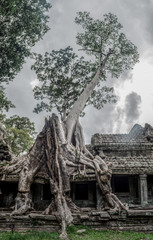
(84, 193)
(121, 183)
(46, 192)
(81, 192)
(8, 193)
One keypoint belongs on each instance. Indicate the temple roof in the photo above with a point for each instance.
(131, 165)
(136, 135)
(130, 153)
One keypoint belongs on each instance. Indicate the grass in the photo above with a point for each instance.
(88, 234)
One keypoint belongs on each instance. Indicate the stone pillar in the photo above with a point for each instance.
(99, 197)
(133, 188)
(143, 189)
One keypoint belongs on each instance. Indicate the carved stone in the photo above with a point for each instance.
(143, 189)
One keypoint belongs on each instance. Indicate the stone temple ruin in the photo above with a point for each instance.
(130, 157)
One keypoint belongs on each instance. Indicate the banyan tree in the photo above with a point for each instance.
(60, 147)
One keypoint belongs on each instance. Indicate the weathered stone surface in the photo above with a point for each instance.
(41, 216)
(140, 221)
(137, 213)
(105, 215)
(129, 155)
(81, 231)
(84, 216)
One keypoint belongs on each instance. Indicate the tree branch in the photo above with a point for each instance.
(90, 50)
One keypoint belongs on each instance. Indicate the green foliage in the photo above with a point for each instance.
(62, 78)
(102, 37)
(20, 133)
(29, 236)
(89, 234)
(5, 104)
(23, 23)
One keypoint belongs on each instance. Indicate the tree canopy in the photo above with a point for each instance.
(70, 82)
(62, 77)
(20, 133)
(23, 23)
(5, 104)
(104, 40)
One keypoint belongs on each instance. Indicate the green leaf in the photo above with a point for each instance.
(20, 133)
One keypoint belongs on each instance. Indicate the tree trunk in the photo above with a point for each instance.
(80, 103)
(53, 156)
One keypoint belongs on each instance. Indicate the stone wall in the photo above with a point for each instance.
(133, 220)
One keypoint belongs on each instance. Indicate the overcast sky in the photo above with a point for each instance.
(134, 89)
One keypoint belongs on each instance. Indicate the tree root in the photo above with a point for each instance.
(64, 236)
(23, 204)
(58, 159)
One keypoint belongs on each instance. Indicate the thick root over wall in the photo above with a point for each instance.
(59, 160)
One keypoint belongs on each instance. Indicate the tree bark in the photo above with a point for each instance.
(59, 160)
(80, 103)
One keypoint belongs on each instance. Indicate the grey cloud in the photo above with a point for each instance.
(98, 121)
(21, 94)
(118, 120)
(132, 15)
(127, 75)
(136, 18)
(112, 118)
(132, 108)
